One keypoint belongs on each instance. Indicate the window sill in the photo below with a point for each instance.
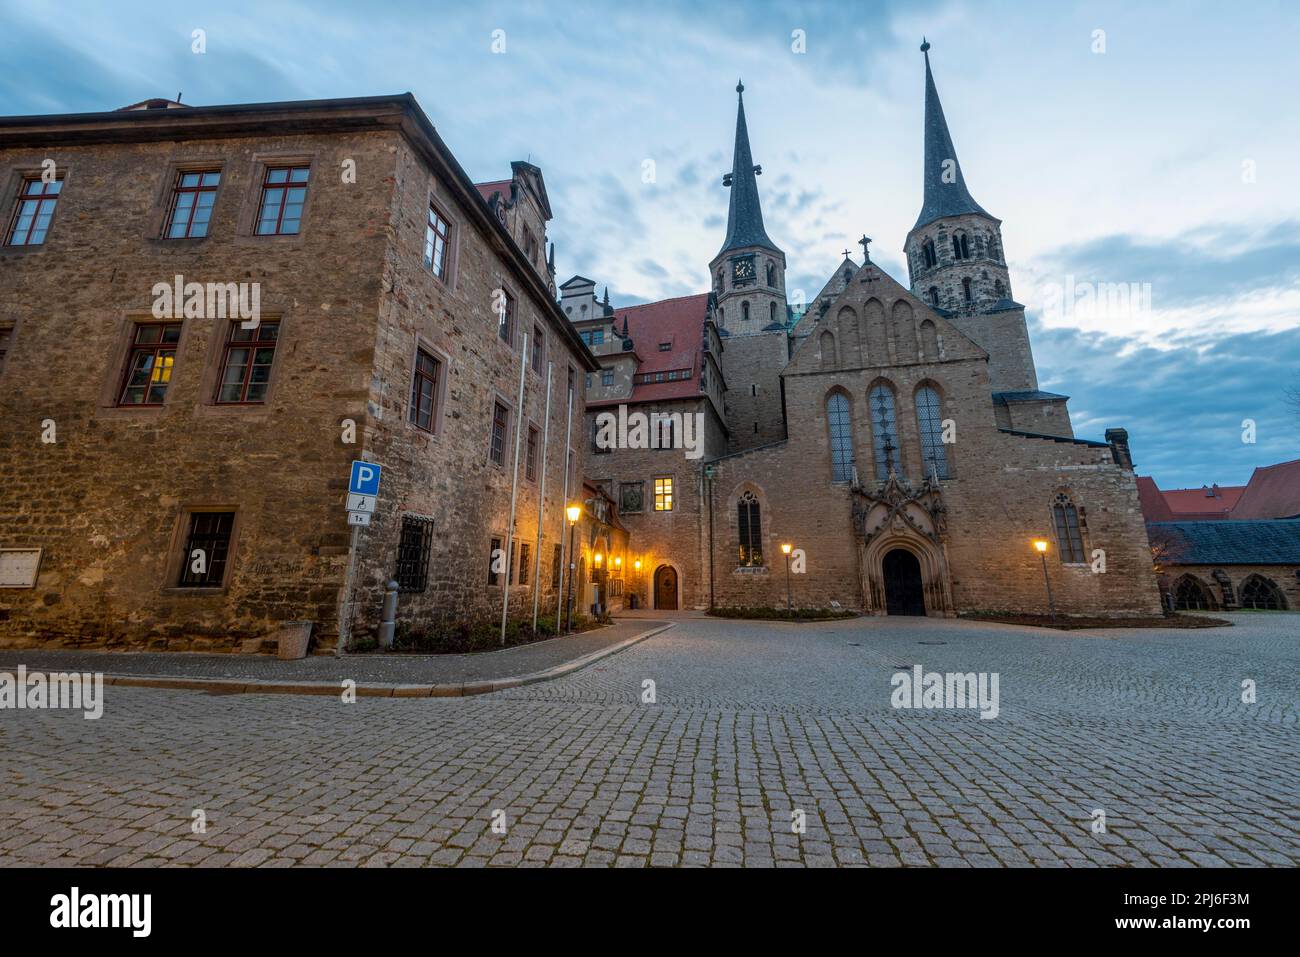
(196, 591)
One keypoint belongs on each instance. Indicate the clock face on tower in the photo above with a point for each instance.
(742, 269)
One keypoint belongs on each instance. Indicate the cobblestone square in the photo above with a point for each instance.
(752, 723)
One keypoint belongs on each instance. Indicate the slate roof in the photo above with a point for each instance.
(1002, 305)
(1229, 542)
(744, 215)
(679, 322)
(941, 199)
(1036, 395)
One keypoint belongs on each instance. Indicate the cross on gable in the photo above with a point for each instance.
(846, 254)
(865, 242)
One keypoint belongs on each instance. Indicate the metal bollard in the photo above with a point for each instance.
(389, 623)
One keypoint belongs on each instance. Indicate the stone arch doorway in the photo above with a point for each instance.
(904, 587)
(665, 595)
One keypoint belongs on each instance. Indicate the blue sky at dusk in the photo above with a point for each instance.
(1171, 159)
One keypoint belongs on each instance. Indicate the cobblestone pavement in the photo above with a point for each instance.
(752, 723)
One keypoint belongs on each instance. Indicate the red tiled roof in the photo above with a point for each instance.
(1154, 506)
(486, 190)
(679, 322)
(1272, 492)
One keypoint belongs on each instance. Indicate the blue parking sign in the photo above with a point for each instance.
(365, 478)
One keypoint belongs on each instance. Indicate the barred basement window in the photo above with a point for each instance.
(1069, 539)
(207, 546)
(412, 574)
(751, 531)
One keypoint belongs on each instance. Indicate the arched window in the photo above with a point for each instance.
(841, 429)
(965, 289)
(884, 431)
(934, 295)
(960, 246)
(771, 275)
(1191, 595)
(929, 420)
(848, 274)
(719, 280)
(993, 249)
(751, 531)
(771, 310)
(928, 253)
(1262, 594)
(1069, 539)
(744, 310)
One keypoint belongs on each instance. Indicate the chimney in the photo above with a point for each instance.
(1119, 451)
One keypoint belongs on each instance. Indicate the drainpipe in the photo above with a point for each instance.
(708, 477)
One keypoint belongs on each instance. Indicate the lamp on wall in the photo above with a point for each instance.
(1041, 545)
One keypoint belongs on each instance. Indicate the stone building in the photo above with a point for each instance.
(895, 437)
(1227, 547)
(178, 479)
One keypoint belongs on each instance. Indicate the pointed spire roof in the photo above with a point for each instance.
(942, 198)
(745, 216)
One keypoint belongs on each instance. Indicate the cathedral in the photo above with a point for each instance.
(887, 448)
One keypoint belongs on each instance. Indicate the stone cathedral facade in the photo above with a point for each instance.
(894, 435)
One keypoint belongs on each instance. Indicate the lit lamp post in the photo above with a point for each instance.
(785, 550)
(636, 567)
(1041, 545)
(596, 573)
(573, 513)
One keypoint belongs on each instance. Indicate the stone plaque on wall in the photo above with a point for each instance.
(18, 567)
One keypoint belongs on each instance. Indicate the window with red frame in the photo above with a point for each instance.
(530, 460)
(437, 240)
(192, 200)
(149, 363)
(246, 363)
(284, 192)
(33, 211)
(424, 390)
(500, 423)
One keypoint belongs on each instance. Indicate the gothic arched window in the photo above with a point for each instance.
(884, 431)
(1262, 594)
(928, 253)
(771, 310)
(744, 310)
(929, 419)
(966, 290)
(841, 429)
(751, 531)
(771, 275)
(1069, 539)
(934, 295)
(1191, 595)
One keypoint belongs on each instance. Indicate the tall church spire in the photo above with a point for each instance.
(945, 187)
(745, 216)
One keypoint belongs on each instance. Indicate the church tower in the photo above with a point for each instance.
(956, 262)
(748, 280)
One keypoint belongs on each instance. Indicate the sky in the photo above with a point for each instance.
(1144, 158)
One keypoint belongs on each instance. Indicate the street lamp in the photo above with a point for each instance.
(573, 513)
(1041, 545)
(785, 550)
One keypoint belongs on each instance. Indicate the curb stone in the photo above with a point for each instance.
(376, 690)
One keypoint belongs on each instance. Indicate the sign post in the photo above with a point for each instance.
(363, 492)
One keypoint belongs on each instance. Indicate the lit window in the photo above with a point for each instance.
(284, 192)
(663, 495)
(33, 211)
(149, 363)
(1069, 538)
(246, 365)
(751, 531)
